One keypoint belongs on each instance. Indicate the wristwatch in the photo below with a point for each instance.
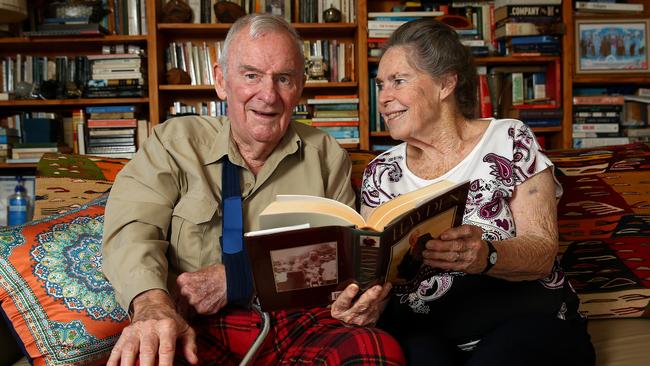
(491, 257)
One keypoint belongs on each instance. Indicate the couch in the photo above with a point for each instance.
(604, 222)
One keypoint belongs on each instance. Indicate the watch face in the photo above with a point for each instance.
(493, 258)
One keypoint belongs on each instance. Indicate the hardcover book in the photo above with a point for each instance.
(311, 248)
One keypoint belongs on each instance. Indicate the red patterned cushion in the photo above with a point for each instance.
(604, 223)
(67, 181)
(52, 291)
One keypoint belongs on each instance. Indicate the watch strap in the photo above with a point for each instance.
(488, 263)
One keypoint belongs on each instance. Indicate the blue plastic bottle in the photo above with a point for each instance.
(19, 206)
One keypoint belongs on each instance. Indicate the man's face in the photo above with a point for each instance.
(263, 84)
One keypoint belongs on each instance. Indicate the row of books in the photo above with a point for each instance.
(304, 11)
(125, 17)
(82, 75)
(211, 108)
(601, 120)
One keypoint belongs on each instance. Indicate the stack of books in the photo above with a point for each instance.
(337, 115)
(116, 75)
(31, 152)
(67, 26)
(531, 29)
(596, 120)
(111, 131)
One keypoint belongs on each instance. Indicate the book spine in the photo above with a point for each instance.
(608, 7)
(595, 127)
(599, 141)
(485, 105)
(598, 99)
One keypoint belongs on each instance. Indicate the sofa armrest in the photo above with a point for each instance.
(620, 342)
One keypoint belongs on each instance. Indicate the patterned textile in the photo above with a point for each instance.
(296, 338)
(604, 223)
(52, 291)
(65, 182)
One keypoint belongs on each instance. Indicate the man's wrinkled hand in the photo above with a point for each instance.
(153, 333)
(205, 290)
(366, 310)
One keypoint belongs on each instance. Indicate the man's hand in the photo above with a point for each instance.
(205, 289)
(366, 310)
(153, 332)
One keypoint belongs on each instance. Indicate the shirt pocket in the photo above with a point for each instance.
(191, 218)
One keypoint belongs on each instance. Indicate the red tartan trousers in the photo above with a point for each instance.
(301, 337)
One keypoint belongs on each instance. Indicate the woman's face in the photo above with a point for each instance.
(409, 99)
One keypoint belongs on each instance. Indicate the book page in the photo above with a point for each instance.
(276, 230)
(389, 211)
(289, 210)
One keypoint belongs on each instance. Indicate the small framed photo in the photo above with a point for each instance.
(612, 46)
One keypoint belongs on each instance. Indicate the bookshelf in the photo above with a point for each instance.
(572, 79)
(553, 135)
(155, 104)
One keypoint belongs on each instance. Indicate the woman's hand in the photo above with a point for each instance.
(366, 310)
(458, 249)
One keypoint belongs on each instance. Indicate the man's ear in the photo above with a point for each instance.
(219, 81)
(448, 85)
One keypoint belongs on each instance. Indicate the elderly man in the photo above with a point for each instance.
(165, 215)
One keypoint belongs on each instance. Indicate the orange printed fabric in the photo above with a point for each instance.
(52, 290)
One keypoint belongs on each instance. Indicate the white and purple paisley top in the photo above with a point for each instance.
(506, 156)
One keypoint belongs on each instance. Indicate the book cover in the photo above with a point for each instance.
(528, 29)
(401, 14)
(328, 245)
(608, 7)
(531, 12)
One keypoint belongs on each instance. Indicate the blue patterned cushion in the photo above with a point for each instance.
(52, 291)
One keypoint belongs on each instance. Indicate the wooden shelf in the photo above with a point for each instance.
(612, 79)
(18, 166)
(494, 60)
(547, 129)
(350, 146)
(210, 88)
(63, 45)
(220, 30)
(35, 103)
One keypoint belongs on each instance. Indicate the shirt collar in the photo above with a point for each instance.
(224, 145)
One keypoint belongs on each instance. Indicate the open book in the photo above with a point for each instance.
(308, 249)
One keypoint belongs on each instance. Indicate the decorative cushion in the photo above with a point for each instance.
(66, 181)
(52, 291)
(604, 224)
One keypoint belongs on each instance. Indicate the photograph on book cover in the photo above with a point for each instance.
(283, 275)
(406, 254)
(305, 266)
(612, 46)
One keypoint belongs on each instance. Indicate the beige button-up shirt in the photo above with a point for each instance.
(163, 215)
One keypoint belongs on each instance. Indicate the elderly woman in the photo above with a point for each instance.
(496, 294)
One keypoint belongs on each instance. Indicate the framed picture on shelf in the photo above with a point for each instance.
(612, 46)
